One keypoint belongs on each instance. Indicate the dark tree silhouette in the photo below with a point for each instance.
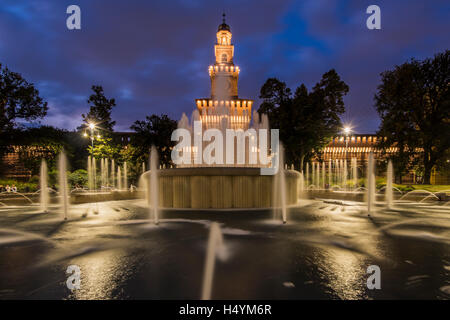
(18, 100)
(154, 130)
(100, 111)
(414, 105)
(307, 120)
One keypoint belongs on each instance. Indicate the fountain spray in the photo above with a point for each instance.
(388, 192)
(215, 243)
(370, 184)
(63, 188)
(44, 198)
(153, 187)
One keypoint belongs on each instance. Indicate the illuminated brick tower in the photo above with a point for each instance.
(224, 101)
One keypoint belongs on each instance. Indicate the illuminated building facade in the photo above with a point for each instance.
(224, 102)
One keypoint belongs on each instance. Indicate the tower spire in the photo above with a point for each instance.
(223, 17)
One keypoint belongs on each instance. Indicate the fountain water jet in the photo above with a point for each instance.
(44, 197)
(125, 175)
(113, 170)
(354, 173)
(215, 245)
(370, 184)
(63, 188)
(153, 186)
(344, 175)
(389, 192)
(279, 188)
(119, 178)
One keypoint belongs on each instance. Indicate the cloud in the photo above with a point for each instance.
(152, 57)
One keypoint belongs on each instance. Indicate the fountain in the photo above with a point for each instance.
(307, 175)
(44, 197)
(370, 184)
(215, 246)
(279, 189)
(354, 173)
(344, 175)
(94, 172)
(323, 175)
(113, 171)
(63, 187)
(330, 174)
(125, 176)
(389, 190)
(153, 186)
(119, 178)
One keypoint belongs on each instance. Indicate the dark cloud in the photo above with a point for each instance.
(152, 56)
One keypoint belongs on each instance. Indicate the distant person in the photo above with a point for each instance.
(8, 188)
(13, 188)
(2, 188)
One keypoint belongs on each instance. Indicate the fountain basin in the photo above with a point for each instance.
(220, 188)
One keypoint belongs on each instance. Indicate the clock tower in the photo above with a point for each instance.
(224, 76)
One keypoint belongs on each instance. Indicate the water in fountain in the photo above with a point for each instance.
(125, 175)
(323, 175)
(102, 172)
(344, 174)
(107, 172)
(153, 190)
(44, 198)
(119, 178)
(354, 173)
(143, 166)
(301, 185)
(307, 175)
(90, 175)
(215, 248)
(318, 175)
(330, 173)
(63, 188)
(389, 192)
(113, 170)
(370, 184)
(94, 172)
(279, 188)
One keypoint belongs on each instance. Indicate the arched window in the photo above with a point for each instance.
(224, 57)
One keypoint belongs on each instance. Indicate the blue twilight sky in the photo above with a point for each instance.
(152, 56)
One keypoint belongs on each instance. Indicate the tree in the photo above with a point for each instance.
(18, 100)
(154, 130)
(45, 142)
(414, 105)
(307, 120)
(100, 111)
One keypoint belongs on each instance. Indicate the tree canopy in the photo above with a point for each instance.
(154, 130)
(100, 111)
(19, 99)
(307, 120)
(414, 105)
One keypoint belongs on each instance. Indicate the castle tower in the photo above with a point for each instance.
(224, 100)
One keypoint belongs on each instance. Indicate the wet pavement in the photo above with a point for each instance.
(323, 252)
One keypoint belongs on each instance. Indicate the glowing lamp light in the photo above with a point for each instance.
(347, 130)
(91, 126)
